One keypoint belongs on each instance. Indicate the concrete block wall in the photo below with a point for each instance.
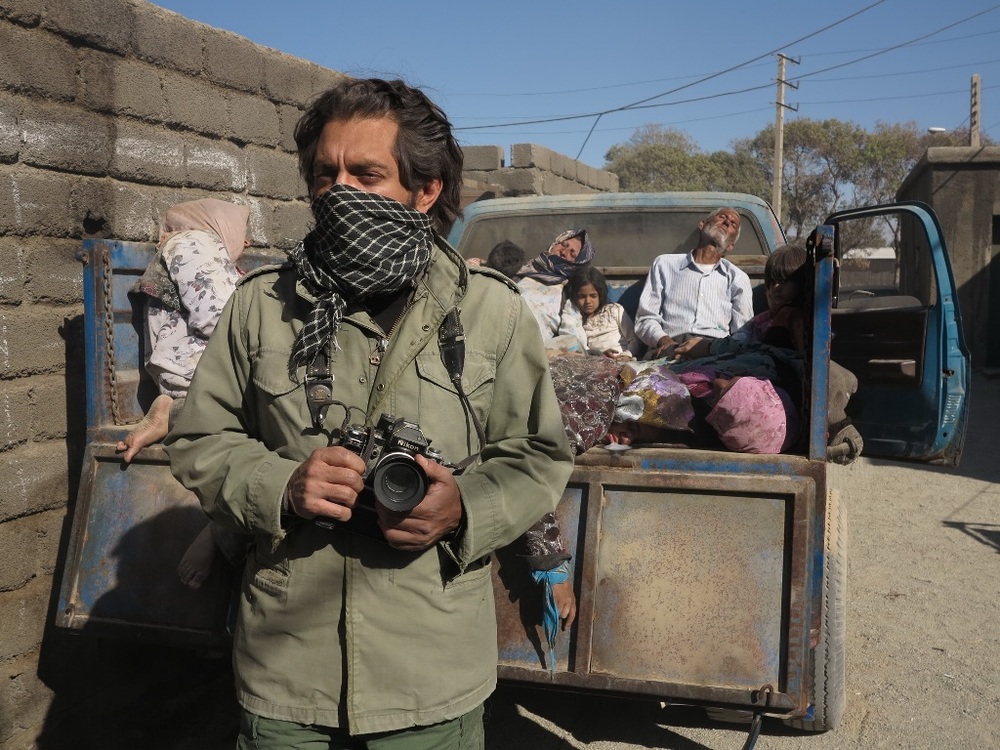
(110, 111)
(535, 170)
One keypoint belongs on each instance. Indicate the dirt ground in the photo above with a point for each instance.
(923, 653)
(923, 656)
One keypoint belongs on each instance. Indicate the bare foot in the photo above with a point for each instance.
(151, 428)
(197, 561)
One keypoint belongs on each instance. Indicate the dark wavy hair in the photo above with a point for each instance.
(786, 263)
(426, 149)
(587, 275)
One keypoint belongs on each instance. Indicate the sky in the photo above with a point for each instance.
(594, 71)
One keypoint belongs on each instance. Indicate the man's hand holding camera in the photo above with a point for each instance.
(326, 484)
(438, 514)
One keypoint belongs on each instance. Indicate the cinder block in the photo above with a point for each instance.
(482, 158)
(233, 61)
(12, 275)
(36, 61)
(323, 79)
(25, 700)
(121, 210)
(29, 340)
(167, 39)
(34, 201)
(32, 479)
(121, 86)
(102, 23)
(66, 138)
(563, 166)
(273, 174)
(10, 132)
(253, 120)
(54, 274)
(19, 561)
(555, 185)
(288, 116)
(22, 608)
(287, 79)
(15, 413)
(214, 165)
(288, 223)
(531, 155)
(195, 105)
(518, 181)
(144, 153)
(258, 225)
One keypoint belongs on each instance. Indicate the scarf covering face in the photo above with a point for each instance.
(551, 269)
(363, 244)
(228, 220)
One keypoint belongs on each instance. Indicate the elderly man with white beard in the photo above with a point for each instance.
(696, 294)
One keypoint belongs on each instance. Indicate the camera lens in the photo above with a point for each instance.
(399, 482)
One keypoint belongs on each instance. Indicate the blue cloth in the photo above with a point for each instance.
(550, 612)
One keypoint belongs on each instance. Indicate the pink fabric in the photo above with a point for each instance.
(698, 381)
(228, 220)
(754, 416)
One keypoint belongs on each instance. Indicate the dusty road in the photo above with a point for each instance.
(923, 650)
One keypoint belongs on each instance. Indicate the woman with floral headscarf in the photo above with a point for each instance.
(185, 288)
(541, 282)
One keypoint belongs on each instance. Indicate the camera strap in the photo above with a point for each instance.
(319, 388)
(451, 339)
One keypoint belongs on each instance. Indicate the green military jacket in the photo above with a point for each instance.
(338, 629)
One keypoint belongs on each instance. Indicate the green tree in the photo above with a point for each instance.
(656, 159)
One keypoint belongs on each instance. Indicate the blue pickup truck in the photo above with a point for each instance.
(703, 577)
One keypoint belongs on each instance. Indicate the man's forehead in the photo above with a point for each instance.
(729, 212)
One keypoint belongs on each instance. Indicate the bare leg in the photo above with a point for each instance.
(152, 428)
(196, 564)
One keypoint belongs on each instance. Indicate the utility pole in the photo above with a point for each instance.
(974, 113)
(779, 133)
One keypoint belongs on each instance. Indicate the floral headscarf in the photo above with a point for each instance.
(551, 269)
(228, 220)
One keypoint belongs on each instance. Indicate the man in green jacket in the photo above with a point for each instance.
(347, 639)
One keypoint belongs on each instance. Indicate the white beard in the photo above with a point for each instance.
(717, 235)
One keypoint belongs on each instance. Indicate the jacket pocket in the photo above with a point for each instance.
(270, 373)
(282, 401)
(470, 578)
(438, 395)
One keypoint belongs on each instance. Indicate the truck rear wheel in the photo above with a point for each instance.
(829, 688)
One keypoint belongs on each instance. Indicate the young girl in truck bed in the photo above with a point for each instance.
(609, 328)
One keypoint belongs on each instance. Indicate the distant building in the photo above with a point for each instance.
(962, 185)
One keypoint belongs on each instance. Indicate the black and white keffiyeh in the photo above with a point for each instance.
(363, 244)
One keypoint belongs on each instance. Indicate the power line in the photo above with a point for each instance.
(898, 46)
(709, 77)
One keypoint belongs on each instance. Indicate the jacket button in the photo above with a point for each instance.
(426, 327)
(380, 387)
(362, 379)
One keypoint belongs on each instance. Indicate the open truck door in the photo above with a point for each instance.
(897, 326)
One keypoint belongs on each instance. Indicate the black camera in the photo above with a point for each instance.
(389, 450)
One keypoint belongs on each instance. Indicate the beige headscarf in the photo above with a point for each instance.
(228, 220)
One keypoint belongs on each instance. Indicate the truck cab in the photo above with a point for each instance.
(702, 576)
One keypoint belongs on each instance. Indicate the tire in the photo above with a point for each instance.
(828, 695)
